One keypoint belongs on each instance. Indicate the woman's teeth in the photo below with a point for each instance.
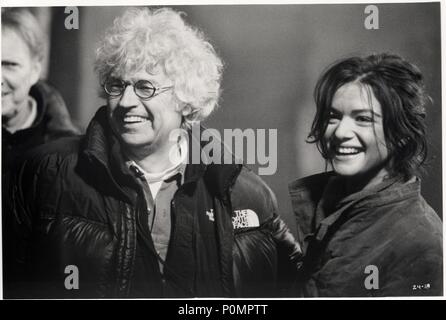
(347, 150)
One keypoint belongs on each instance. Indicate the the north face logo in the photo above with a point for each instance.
(245, 218)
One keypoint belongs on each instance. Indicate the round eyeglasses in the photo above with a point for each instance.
(144, 89)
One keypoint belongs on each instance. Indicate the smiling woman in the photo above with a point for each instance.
(368, 214)
(354, 136)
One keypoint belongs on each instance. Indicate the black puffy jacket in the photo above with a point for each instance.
(52, 122)
(73, 202)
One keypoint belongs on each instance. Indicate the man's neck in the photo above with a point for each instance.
(154, 161)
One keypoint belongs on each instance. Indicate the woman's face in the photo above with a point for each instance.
(20, 71)
(354, 136)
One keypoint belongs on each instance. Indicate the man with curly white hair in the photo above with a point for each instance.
(114, 214)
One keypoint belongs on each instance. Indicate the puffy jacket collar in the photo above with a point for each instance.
(96, 143)
(218, 177)
(52, 116)
(51, 108)
(100, 152)
(102, 148)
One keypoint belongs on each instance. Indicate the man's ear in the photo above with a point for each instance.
(36, 69)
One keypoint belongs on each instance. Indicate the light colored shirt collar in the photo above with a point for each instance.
(178, 158)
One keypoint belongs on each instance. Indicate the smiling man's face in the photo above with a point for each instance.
(144, 124)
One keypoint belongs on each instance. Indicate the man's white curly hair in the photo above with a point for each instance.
(143, 39)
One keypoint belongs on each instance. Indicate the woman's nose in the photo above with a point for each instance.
(345, 129)
(129, 97)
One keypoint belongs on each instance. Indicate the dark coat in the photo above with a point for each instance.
(390, 227)
(74, 202)
(52, 122)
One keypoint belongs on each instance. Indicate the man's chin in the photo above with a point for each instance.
(135, 141)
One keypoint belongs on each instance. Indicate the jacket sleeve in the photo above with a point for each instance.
(289, 256)
(269, 251)
(289, 251)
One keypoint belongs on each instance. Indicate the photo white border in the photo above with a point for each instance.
(87, 3)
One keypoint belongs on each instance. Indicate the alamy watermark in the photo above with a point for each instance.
(72, 280)
(371, 22)
(371, 282)
(249, 146)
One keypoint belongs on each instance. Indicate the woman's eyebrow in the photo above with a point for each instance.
(356, 111)
(375, 114)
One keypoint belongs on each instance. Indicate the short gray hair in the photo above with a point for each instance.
(25, 24)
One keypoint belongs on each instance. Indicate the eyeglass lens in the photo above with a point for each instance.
(143, 88)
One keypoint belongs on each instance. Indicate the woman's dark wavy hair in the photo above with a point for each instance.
(398, 86)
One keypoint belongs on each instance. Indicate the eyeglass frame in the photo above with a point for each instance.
(129, 83)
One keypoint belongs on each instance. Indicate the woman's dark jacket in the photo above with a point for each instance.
(385, 241)
(75, 203)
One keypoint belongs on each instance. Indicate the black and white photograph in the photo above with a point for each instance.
(222, 150)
